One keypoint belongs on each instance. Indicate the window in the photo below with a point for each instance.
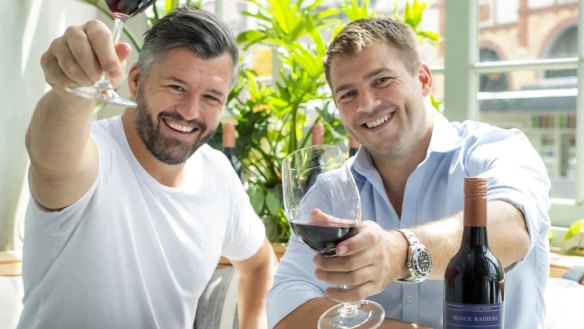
(494, 81)
(538, 60)
(566, 45)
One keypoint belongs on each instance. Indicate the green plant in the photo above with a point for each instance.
(575, 230)
(274, 119)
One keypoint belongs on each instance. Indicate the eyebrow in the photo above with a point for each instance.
(365, 77)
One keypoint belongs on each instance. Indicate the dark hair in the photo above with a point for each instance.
(362, 33)
(193, 28)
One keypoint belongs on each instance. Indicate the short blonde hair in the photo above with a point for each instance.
(362, 33)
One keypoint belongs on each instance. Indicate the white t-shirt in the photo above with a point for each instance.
(132, 253)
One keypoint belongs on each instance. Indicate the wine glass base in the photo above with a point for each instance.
(103, 95)
(365, 315)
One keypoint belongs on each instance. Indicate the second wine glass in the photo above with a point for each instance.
(317, 177)
(103, 90)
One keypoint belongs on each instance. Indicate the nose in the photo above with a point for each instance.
(367, 101)
(189, 108)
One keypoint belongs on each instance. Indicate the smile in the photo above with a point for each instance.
(179, 127)
(378, 122)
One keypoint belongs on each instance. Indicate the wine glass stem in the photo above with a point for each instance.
(348, 309)
(119, 20)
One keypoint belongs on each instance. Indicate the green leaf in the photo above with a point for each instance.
(169, 5)
(356, 10)
(430, 35)
(273, 197)
(576, 228)
(256, 197)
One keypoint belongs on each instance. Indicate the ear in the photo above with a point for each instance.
(134, 80)
(425, 78)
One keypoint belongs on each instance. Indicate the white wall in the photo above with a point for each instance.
(28, 26)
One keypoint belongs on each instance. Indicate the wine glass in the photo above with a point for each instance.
(103, 90)
(318, 177)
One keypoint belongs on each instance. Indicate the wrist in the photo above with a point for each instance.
(401, 256)
(419, 260)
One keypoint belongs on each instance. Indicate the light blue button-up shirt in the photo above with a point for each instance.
(434, 191)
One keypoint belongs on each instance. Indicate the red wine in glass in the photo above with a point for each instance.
(128, 7)
(102, 90)
(323, 237)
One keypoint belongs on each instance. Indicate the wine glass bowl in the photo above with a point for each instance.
(102, 90)
(318, 177)
(301, 171)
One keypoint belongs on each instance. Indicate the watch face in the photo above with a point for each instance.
(422, 262)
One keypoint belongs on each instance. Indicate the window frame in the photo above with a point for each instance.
(461, 86)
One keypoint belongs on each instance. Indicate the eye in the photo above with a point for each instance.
(176, 88)
(347, 96)
(383, 81)
(212, 98)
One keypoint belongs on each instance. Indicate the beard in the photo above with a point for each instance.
(168, 150)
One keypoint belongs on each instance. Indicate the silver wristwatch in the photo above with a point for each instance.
(419, 261)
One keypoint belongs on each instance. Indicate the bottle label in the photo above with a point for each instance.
(473, 316)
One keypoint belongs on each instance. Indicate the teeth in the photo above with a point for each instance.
(378, 122)
(181, 128)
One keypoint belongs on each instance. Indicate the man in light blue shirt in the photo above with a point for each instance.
(410, 173)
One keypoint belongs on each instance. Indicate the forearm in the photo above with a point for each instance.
(256, 277)
(306, 315)
(58, 132)
(251, 300)
(63, 161)
(508, 237)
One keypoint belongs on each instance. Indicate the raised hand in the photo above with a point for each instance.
(82, 54)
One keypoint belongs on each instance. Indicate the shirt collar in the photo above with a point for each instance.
(445, 137)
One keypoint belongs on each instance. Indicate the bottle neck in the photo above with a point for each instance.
(475, 237)
(228, 135)
(229, 151)
(475, 221)
(318, 134)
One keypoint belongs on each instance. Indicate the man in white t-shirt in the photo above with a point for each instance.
(130, 215)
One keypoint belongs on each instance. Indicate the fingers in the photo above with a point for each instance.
(367, 237)
(100, 39)
(82, 54)
(351, 294)
(366, 265)
(317, 215)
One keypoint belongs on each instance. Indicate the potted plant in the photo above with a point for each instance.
(274, 119)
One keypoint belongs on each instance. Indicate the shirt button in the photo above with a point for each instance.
(410, 299)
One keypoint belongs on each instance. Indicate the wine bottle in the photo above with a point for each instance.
(474, 279)
(317, 134)
(353, 146)
(229, 147)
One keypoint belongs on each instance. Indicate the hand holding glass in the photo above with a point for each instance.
(317, 177)
(103, 90)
